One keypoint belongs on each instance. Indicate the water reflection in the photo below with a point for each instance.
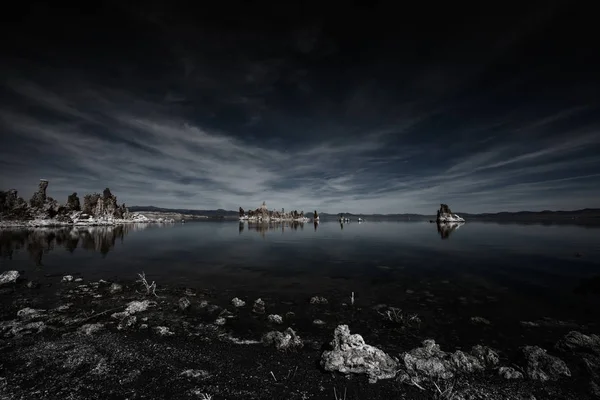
(445, 229)
(263, 227)
(40, 241)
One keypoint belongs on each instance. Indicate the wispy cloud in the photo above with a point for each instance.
(201, 117)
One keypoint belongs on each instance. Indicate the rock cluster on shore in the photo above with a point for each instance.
(100, 333)
(43, 210)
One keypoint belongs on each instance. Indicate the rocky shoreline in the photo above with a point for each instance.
(43, 211)
(66, 337)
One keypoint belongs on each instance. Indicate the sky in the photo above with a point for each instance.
(386, 108)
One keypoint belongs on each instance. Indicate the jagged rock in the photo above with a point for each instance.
(318, 300)
(485, 355)
(184, 304)
(509, 373)
(13, 207)
(577, 342)
(39, 198)
(351, 354)
(444, 215)
(275, 319)
(285, 340)
(259, 307)
(238, 302)
(430, 362)
(73, 203)
(588, 348)
(542, 366)
(9, 277)
(67, 278)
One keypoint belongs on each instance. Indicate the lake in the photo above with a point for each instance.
(541, 270)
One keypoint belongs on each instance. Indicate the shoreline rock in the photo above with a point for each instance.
(351, 354)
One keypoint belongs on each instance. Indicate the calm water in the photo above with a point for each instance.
(531, 267)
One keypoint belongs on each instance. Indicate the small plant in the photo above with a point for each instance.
(444, 391)
(396, 315)
(150, 289)
(335, 394)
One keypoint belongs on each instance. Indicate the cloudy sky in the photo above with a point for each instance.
(382, 109)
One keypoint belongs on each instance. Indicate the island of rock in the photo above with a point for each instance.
(444, 215)
(263, 214)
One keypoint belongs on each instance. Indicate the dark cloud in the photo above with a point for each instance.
(374, 109)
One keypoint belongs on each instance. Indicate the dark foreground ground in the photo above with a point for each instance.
(61, 340)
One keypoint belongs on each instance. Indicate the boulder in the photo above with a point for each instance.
(430, 362)
(351, 354)
(509, 373)
(9, 277)
(286, 340)
(184, 304)
(238, 302)
(542, 366)
(587, 347)
(275, 319)
(259, 307)
(577, 342)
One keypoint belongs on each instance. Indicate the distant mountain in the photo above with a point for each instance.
(220, 213)
(587, 213)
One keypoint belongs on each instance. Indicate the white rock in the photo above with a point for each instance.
(162, 331)
(351, 354)
(238, 302)
(220, 321)
(285, 340)
(9, 277)
(67, 278)
(90, 329)
(318, 300)
(133, 308)
(275, 319)
(29, 313)
(195, 373)
(115, 288)
(318, 322)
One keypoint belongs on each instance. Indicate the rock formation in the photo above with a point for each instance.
(12, 206)
(73, 203)
(42, 207)
(351, 354)
(444, 215)
(103, 206)
(39, 198)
